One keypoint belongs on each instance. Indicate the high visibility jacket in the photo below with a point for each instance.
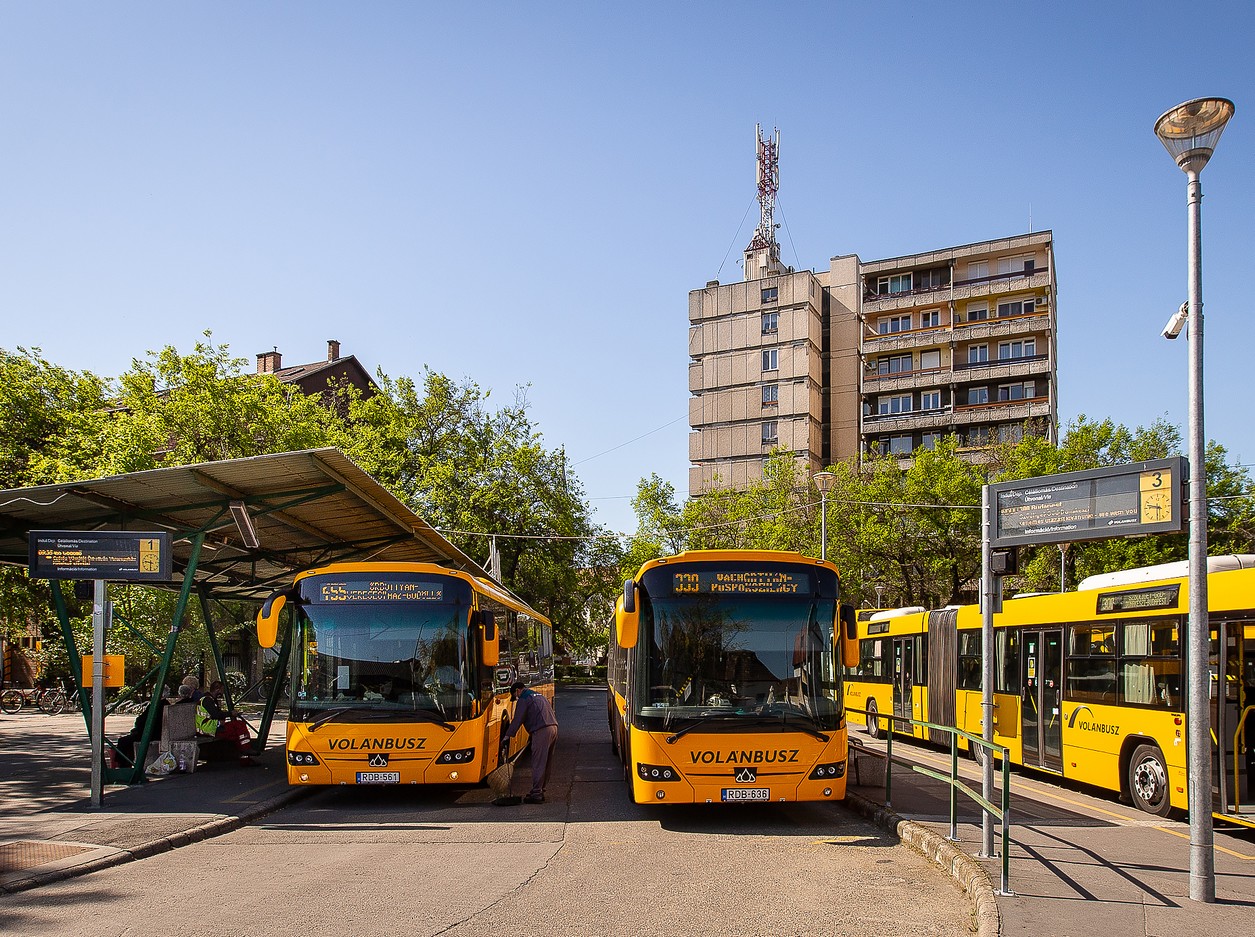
(205, 723)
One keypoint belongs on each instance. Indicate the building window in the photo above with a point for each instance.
(770, 436)
(1017, 349)
(771, 359)
(894, 364)
(933, 279)
(771, 395)
(980, 436)
(930, 440)
(930, 400)
(977, 354)
(1016, 307)
(978, 270)
(977, 396)
(900, 445)
(930, 360)
(1010, 432)
(930, 318)
(897, 283)
(977, 312)
(771, 294)
(1012, 265)
(1022, 391)
(889, 406)
(891, 324)
(771, 322)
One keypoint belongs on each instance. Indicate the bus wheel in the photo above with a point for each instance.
(1148, 781)
(873, 719)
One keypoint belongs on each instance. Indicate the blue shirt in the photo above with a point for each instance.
(531, 712)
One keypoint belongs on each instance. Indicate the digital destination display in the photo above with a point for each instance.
(120, 555)
(1110, 502)
(1138, 600)
(741, 582)
(379, 590)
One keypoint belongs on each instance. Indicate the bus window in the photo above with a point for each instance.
(1150, 664)
(1008, 661)
(871, 661)
(1091, 673)
(969, 660)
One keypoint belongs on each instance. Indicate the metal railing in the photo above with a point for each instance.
(1000, 813)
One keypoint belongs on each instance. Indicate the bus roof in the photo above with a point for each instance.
(1177, 570)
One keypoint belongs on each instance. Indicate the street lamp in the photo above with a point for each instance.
(824, 482)
(1190, 132)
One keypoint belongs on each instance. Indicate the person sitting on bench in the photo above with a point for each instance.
(213, 719)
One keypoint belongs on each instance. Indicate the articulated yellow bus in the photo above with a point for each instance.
(401, 672)
(1089, 685)
(725, 679)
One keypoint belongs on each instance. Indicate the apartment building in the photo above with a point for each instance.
(880, 356)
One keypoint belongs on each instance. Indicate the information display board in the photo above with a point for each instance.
(1116, 501)
(112, 555)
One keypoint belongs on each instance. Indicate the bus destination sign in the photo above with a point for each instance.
(380, 590)
(741, 582)
(1126, 500)
(114, 555)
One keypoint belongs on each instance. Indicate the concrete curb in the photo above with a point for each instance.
(966, 872)
(206, 830)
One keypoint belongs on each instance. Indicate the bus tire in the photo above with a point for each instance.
(1148, 781)
(873, 720)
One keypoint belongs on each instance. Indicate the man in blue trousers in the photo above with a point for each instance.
(533, 713)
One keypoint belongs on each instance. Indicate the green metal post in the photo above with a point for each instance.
(202, 594)
(1006, 822)
(888, 761)
(276, 686)
(71, 648)
(954, 794)
(176, 628)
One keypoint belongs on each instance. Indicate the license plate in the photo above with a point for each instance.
(746, 793)
(379, 777)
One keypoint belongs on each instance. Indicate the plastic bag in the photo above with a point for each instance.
(163, 765)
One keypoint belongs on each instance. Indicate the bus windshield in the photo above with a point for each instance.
(737, 658)
(367, 660)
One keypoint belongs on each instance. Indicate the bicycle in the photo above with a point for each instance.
(14, 699)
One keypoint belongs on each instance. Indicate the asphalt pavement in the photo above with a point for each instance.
(1079, 864)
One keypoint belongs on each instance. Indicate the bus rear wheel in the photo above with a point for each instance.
(873, 719)
(1148, 781)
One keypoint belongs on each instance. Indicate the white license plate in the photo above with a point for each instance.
(746, 793)
(379, 777)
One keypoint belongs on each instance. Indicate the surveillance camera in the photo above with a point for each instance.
(1177, 322)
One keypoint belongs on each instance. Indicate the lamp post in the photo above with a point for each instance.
(1190, 132)
(823, 481)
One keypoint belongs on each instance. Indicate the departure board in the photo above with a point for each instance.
(741, 582)
(113, 555)
(1143, 498)
(379, 590)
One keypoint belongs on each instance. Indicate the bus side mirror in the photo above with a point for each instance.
(489, 646)
(268, 619)
(849, 636)
(627, 617)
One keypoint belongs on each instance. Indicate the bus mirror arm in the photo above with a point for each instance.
(848, 635)
(627, 617)
(268, 618)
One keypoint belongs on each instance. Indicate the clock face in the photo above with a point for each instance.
(1156, 506)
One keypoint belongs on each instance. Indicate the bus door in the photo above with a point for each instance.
(1233, 718)
(1041, 682)
(903, 681)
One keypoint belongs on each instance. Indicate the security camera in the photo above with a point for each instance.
(1177, 322)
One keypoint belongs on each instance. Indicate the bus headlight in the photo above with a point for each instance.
(826, 772)
(302, 758)
(456, 756)
(656, 772)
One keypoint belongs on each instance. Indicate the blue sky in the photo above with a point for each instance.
(525, 193)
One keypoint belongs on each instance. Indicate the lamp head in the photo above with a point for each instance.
(1190, 131)
(1177, 322)
(824, 481)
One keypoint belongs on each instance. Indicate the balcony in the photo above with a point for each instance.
(1001, 369)
(877, 303)
(877, 383)
(1003, 411)
(1035, 323)
(879, 343)
(908, 422)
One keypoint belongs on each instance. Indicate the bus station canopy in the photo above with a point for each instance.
(307, 509)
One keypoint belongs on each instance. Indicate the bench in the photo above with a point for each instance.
(178, 735)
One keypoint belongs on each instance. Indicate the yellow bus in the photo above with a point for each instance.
(724, 679)
(401, 672)
(1089, 685)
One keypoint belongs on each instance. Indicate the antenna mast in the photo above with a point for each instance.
(768, 177)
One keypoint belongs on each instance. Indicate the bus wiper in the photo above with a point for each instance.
(381, 715)
(805, 724)
(429, 716)
(702, 719)
(328, 716)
